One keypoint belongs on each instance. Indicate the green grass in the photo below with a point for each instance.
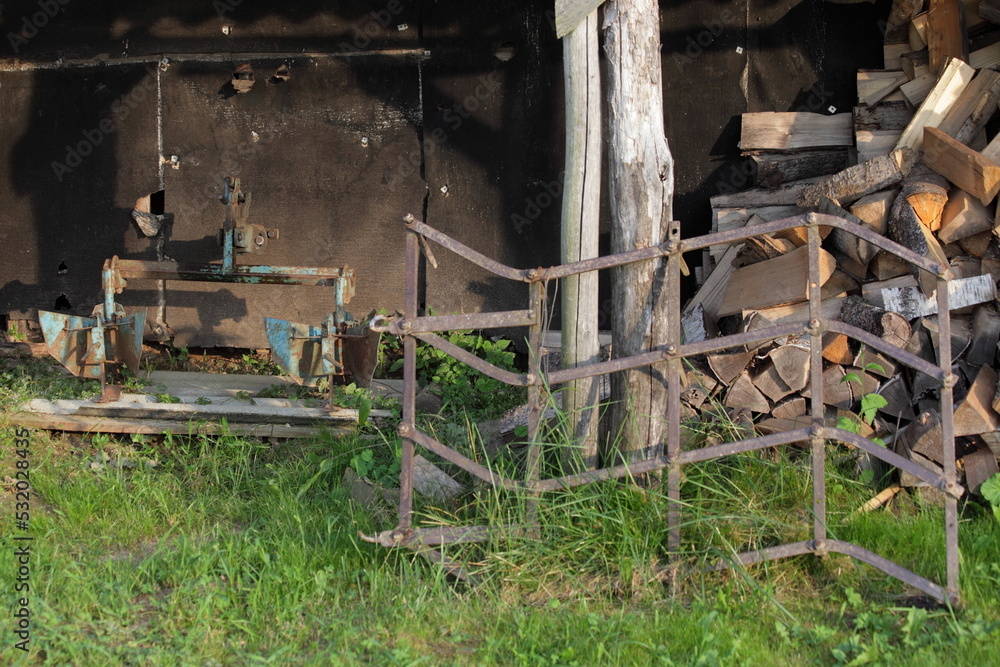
(232, 551)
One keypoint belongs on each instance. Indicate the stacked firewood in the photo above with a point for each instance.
(914, 163)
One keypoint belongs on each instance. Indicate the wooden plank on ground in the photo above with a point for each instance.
(84, 424)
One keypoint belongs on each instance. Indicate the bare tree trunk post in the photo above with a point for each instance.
(580, 227)
(641, 189)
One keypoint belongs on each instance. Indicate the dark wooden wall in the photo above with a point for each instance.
(449, 110)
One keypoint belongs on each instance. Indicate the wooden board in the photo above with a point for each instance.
(953, 80)
(966, 168)
(793, 130)
(773, 282)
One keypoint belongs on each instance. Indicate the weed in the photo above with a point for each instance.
(167, 398)
(991, 491)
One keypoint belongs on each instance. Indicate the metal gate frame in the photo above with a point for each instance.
(412, 328)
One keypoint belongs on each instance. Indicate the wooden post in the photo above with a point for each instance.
(580, 227)
(641, 180)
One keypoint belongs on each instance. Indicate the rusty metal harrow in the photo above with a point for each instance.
(817, 434)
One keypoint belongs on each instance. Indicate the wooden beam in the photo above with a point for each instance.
(974, 107)
(953, 80)
(776, 281)
(571, 13)
(945, 34)
(966, 168)
(773, 169)
(782, 195)
(876, 85)
(771, 130)
(581, 204)
(855, 182)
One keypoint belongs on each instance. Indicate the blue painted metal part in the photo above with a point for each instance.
(81, 343)
(304, 352)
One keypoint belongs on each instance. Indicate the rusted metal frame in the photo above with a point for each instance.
(679, 351)
(744, 446)
(660, 462)
(894, 570)
(244, 273)
(769, 553)
(817, 443)
(804, 220)
(892, 458)
(465, 251)
(599, 263)
(948, 439)
(481, 365)
(431, 444)
(449, 566)
(816, 433)
(502, 319)
(408, 425)
(835, 546)
(674, 374)
(537, 298)
(897, 353)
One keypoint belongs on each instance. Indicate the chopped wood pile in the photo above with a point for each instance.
(916, 162)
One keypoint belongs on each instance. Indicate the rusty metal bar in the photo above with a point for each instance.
(817, 408)
(899, 354)
(892, 569)
(264, 275)
(462, 461)
(659, 354)
(408, 422)
(598, 263)
(532, 471)
(466, 357)
(465, 251)
(675, 372)
(770, 553)
(503, 319)
(892, 458)
(803, 220)
(948, 436)
(744, 446)
(660, 462)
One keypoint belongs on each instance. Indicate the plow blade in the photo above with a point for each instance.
(75, 342)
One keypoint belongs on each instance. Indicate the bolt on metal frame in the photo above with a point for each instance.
(412, 328)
